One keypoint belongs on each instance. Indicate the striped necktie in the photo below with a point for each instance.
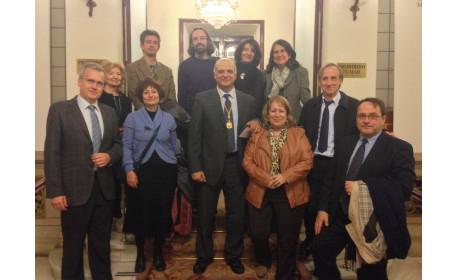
(96, 130)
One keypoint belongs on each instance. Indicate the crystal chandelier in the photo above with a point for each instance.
(217, 12)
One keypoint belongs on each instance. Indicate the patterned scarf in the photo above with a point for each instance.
(276, 143)
(278, 80)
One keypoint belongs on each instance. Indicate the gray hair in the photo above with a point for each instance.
(91, 65)
(329, 65)
(218, 62)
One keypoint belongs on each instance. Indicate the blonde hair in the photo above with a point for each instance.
(107, 67)
(282, 101)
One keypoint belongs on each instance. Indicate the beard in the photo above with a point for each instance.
(200, 49)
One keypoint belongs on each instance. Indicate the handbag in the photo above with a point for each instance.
(181, 214)
(138, 162)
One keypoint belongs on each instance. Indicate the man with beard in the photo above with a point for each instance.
(148, 67)
(195, 74)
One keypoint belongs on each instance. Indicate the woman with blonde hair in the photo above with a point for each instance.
(277, 160)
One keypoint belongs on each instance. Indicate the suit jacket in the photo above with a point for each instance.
(296, 160)
(388, 171)
(140, 70)
(344, 118)
(69, 170)
(207, 134)
(296, 89)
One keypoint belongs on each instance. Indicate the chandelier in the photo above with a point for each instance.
(217, 12)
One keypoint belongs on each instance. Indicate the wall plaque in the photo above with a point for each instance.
(353, 70)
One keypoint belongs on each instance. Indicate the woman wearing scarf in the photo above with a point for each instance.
(286, 77)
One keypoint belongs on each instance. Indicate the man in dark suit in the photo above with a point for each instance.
(338, 110)
(80, 147)
(215, 154)
(386, 165)
(149, 67)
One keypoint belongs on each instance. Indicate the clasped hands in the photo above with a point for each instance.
(276, 181)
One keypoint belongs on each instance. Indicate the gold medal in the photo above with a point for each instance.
(229, 125)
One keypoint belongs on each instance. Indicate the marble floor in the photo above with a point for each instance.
(408, 269)
(179, 264)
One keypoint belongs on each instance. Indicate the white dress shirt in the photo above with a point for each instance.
(84, 107)
(235, 109)
(332, 109)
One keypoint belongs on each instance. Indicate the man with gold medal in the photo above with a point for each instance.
(216, 149)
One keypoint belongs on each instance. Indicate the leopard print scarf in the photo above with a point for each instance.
(276, 143)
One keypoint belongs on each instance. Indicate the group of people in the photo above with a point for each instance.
(275, 152)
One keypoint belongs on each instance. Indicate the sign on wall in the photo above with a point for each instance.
(353, 70)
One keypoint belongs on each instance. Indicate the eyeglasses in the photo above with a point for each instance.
(371, 117)
(94, 82)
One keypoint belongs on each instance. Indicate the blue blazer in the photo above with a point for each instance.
(138, 130)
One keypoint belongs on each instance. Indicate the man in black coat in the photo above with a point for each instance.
(338, 111)
(386, 165)
(80, 147)
(218, 117)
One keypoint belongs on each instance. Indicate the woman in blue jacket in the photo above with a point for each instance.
(156, 170)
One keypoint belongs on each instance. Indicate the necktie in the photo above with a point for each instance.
(229, 123)
(323, 142)
(357, 161)
(153, 68)
(96, 131)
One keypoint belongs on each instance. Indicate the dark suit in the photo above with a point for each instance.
(70, 172)
(344, 124)
(389, 165)
(208, 153)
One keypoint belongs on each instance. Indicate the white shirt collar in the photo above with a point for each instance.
(222, 92)
(83, 104)
(336, 98)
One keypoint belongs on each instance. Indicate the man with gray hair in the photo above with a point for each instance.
(80, 148)
(219, 115)
(326, 119)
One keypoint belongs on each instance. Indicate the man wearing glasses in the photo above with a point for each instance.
(195, 74)
(80, 148)
(362, 204)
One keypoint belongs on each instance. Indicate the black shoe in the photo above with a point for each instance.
(305, 250)
(159, 262)
(236, 266)
(200, 266)
(140, 263)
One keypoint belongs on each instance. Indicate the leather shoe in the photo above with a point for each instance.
(305, 250)
(236, 266)
(159, 263)
(140, 263)
(200, 266)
